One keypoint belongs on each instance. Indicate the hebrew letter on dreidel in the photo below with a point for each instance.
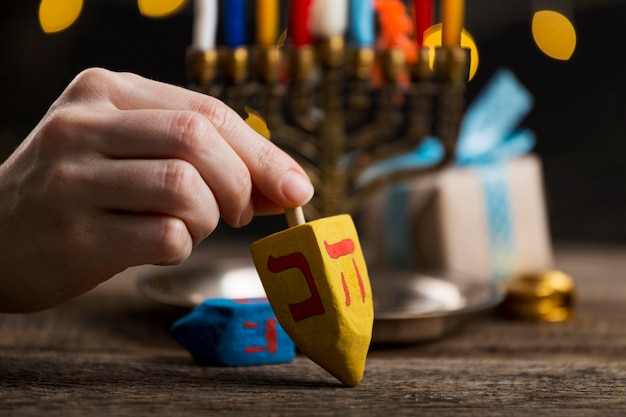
(316, 281)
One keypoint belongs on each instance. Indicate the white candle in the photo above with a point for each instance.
(204, 24)
(329, 17)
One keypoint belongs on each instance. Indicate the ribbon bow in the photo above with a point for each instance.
(487, 132)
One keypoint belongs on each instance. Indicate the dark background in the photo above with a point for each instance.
(578, 115)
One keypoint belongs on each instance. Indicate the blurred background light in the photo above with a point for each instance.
(432, 39)
(160, 8)
(57, 15)
(554, 34)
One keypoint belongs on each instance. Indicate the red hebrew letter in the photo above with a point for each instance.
(271, 337)
(343, 248)
(346, 290)
(312, 306)
(249, 300)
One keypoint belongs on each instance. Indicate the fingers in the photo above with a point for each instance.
(146, 239)
(276, 175)
(214, 159)
(169, 187)
(159, 240)
(186, 136)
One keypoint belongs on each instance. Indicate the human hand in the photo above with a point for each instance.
(125, 171)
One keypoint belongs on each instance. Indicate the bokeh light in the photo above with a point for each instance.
(57, 15)
(160, 8)
(554, 34)
(432, 39)
(257, 122)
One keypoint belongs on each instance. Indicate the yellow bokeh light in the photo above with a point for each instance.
(432, 39)
(257, 122)
(57, 15)
(554, 34)
(159, 8)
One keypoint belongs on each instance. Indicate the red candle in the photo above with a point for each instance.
(299, 30)
(423, 15)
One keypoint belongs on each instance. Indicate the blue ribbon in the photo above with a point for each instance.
(499, 221)
(487, 139)
(399, 234)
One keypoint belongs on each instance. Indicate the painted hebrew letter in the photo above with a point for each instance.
(271, 337)
(312, 306)
(343, 248)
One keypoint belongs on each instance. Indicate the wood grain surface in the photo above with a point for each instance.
(108, 353)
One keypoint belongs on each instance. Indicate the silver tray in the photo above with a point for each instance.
(409, 307)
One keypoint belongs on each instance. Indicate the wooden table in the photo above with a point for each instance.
(109, 353)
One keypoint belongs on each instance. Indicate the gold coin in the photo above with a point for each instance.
(547, 296)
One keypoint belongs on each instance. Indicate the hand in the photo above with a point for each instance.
(124, 171)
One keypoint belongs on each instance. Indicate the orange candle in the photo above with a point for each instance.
(453, 12)
(267, 22)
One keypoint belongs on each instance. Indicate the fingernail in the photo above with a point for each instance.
(247, 215)
(297, 188)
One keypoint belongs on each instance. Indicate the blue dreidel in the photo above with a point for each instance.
(224, 332)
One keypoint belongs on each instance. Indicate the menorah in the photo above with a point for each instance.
(339, 109)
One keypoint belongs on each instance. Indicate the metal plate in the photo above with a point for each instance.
(412, 307)
(409, 307)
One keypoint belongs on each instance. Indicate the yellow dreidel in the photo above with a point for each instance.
(316, 281)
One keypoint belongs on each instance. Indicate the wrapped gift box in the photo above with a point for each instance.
(485, 215)
(486, 222)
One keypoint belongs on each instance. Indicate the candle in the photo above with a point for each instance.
(423, 15)
(234, 23)
(267, 22)
(452, 23)
(299, 30)
(362, 22)
(395, 28)
(329, 18)
(204, 24)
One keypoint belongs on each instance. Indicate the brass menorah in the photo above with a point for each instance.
(322, 106)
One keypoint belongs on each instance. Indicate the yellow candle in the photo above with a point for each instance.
(453, 12)
(267, 22)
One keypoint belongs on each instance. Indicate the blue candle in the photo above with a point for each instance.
(234, 23)
(361, 30)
